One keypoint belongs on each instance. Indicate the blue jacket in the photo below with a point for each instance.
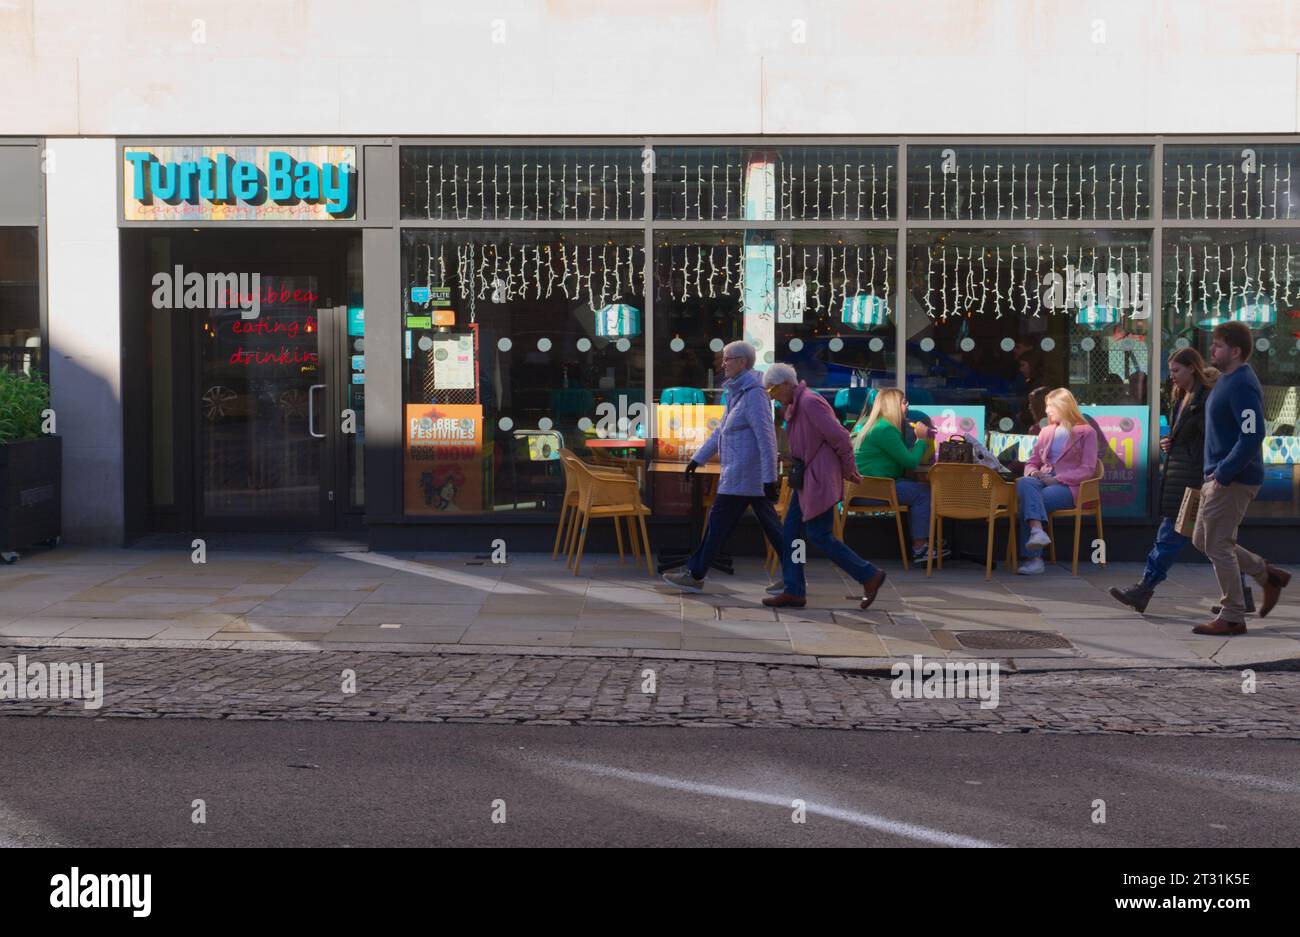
(745, 438)
(1232, 455)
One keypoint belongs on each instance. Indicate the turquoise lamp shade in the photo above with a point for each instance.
(864, 311)
(1255, 311)
(618, 321)
(1097, 317)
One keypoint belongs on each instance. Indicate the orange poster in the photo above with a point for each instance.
(444, 458)
(683, 427)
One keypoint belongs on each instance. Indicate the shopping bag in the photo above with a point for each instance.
(1186, 522)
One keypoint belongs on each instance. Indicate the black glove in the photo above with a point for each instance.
(771, 490)
(691, 466)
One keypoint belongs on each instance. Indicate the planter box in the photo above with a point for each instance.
(30, 497)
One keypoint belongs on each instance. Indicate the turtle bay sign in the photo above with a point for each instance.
(239, 183)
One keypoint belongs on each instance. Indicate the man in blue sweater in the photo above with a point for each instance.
(1234, 470)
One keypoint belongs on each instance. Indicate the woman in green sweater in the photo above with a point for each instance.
(879, 451)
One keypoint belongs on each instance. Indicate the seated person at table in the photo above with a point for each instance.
(1065, 456)
(879, 451)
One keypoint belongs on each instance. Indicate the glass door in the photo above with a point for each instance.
(265, 404)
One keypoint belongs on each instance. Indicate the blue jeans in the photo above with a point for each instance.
(917, 497)
(1169, 543)
(1036, 501)
(819, 531)
(723, 517)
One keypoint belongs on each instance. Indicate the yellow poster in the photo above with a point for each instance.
(683, 427)
(444, 458)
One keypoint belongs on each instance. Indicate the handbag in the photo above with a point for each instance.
(1187, 511)
(955, 449)
(798, 468)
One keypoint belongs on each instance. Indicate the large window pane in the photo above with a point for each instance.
(1242, 182)
(791, 183)
(520, 183)
(1252, 277)
(518, 344)
(991, 330)
(1028, 183)
(20, 307)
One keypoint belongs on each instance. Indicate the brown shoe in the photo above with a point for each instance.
(1278, 579)
(871, 587)
(785, 600)
(1220, 628)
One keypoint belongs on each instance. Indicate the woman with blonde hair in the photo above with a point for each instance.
(879, 451)
(1065, 456)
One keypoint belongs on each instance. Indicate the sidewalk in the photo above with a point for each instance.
(459, 602)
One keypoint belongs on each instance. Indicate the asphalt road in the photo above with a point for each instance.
(119, 782)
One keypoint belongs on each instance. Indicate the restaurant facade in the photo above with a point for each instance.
(391, 335)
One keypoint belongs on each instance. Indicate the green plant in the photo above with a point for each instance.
(23, 398)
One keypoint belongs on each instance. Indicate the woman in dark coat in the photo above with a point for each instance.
(1183, 468)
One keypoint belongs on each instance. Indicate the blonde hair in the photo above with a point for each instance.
(1066, 406)
(888, 405)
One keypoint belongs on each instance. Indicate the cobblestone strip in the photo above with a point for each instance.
(399, 687)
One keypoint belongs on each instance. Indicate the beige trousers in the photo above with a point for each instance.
(1215, 535)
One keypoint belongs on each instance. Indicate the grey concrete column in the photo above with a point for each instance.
(86, 335)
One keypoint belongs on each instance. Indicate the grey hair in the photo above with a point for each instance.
(779, 374)
(745, 348)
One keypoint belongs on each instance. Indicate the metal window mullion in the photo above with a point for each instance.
(900, 273)
(1155, 327)
(648, 298)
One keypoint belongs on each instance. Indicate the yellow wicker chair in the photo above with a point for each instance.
(877, 489)
(1089, 503)
(970, 492)
(566, 529)
(603, 494)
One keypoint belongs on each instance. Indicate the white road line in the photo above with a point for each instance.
(1257, 781)
(867, 820)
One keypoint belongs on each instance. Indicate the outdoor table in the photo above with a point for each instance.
(670, 558)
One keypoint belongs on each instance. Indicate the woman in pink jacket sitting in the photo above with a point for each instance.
(1065, 456)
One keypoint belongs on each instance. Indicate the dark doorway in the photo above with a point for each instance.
(244, 366)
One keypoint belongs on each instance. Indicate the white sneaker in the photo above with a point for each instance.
(775, 587)
(684, 581)
(1034, 567)
(1038, 538)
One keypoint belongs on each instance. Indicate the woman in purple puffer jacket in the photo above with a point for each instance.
(823, 446)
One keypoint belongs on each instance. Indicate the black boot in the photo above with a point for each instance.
(1135, 597)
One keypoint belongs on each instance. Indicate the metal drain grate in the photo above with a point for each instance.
(1009, 640)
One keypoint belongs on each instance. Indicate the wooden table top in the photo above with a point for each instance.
(708, 468)
(615, 443)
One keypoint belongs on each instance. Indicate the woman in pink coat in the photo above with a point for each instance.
(823, 445)
(1065, 456)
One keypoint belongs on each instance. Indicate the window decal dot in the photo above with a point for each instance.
(769, 357)
(543, 344)
(676, 344)
(1008, 344)
(1005, 424)
(927, 344)
(715, 345)
(505, 424)
(1182, 343)
(835, 344)
(504, 344)
(544, 424)
(584, 344)
(1088, 344)
(875, 344)
(623, 344)
(585, 424)
(1261, 344)
(968, 344)
(796, 344)
(1047, 344)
